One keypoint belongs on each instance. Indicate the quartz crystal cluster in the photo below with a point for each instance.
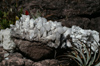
(6, 41)
(39, 30)
(50, 32)
(88, 37)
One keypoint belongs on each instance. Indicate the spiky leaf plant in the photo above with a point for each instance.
(87, 58)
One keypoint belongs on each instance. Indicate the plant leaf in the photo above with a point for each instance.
(98, 64)
(87, 54)
(82, 55)
(76, 58)
(93, 59)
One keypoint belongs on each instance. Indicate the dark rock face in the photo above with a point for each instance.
(82, 22)
(95, 24)
(34, 50)
(81, 7)
(83, 13)
(63, 8)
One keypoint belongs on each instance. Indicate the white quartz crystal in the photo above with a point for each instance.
(6, 55)
(6, 40)
(89, 37)
(31, 23)
(67, 32)
(50, 32)
(60, 30)
(69, 43)
(53, 33)
(51, 37)
(47, 26)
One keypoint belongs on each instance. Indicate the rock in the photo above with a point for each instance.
(14, 61)
(95, 24)
(28, 62)
(84, 23)
(19, 55)
(53, 62)
(1, 54)
(47, 62)
(55, 10)
(83, 13)
(34, 50)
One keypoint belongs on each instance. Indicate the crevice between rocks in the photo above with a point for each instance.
(93, 15)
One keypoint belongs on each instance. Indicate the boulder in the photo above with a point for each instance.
(16, 59)
(34, 50)
(47, 62)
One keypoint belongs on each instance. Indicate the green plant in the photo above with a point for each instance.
(6, 20)
(9, 13)
(85, 59)
(37, 14)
